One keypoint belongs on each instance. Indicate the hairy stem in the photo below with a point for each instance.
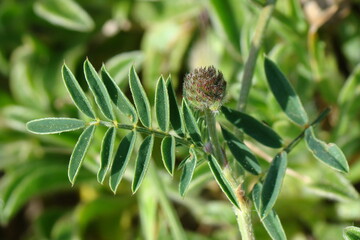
(256, 42)
(214, 140)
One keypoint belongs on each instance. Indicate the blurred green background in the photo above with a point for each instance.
(315, 43)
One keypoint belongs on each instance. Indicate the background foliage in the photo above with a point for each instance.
(171, 37)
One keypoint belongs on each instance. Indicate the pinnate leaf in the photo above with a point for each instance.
(284, 93)
(97, 87)
(273, 183)
(162, 107)
(190, 123)
(141, 101)
(188, 172)
(107, 148)
(121, 160)
(168, 153)
(252, 127)
(175, 117)
(79, 152)
(54, 125)
(329, 154)
(142, 161)
(76, 93)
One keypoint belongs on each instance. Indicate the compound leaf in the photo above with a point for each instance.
(121, 160)
(188, 172)
(175, 117)
(252, 127)
(107, 148)
(97, 87)
(142, 161)
(76, 93)
(190, 123)
(162, 107)
(168, 153)
(329, 154)
(54, 125)
(284, 93)
(79, 152)
(273, 183)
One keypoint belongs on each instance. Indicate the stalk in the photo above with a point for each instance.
(214, 140)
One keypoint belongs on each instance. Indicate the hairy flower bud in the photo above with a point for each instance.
(204, 88)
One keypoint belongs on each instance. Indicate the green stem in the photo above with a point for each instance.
(256, 42)
(243, 218)
(214, 140)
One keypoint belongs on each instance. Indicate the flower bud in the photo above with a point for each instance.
(204, 88)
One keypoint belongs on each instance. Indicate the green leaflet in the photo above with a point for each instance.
(190, 123)
(107, 148)
(351, 233)
(142, 161)
(188, 172)
(222, 181)
(252, 127)
(65, 13)
(121, 160)
(76, 93)
(241, 153)
(175, 117)
(118, 97)
(54, 125)
(97, 87)
(162, 105)
(271, 222)
(79, 152)
(273, 183)
(329, 154)
(141, 101)
(284, 93)
(168, 153)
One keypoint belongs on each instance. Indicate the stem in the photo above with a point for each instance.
(243, 217)
(256, 42)
(214, 140)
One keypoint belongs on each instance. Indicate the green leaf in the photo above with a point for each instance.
(273, 183)
(142, 161)
(64, 13)
(190, 123)
(175, 117)
(222, 181)
(141, 101)
(168, 153)
(351, 233)
(76, 93)
(121, 160)
(79, 152)
(97, 87)
(329, 154)
(54, 125)
(284, 93)
(271, 222)
(188, 172)
(107, 148)
(118, 97)
(241, 153)
(252, 127)
(162, 105)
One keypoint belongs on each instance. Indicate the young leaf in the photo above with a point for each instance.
(190, 123)
(54, 125)
(175, 117)
(107, 148)
(121, 160)
(65, 13)
(97, 87)
(241, 153)
(252, 127)
(271, 222)
(284, 93)
(168, 153)
(188, 172)
(118, 97)
(272, 183)
(351, 233)
(141, 101)
(79, 152)
(142, 161)
(329, 154)
(76, 93)
(162, 105)
(222, 181)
